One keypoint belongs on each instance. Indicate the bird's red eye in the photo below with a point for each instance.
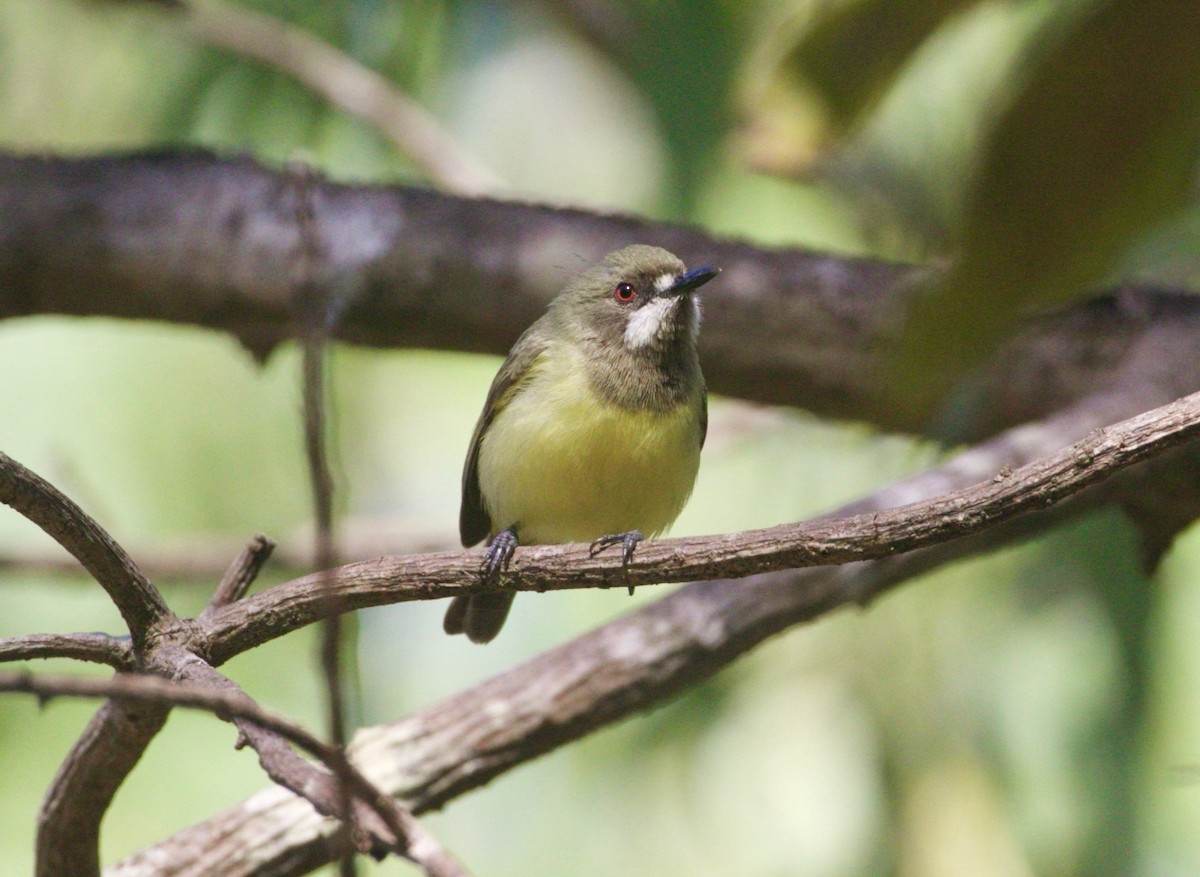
(624, 293)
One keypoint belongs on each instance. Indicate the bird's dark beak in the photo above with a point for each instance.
(690, 280)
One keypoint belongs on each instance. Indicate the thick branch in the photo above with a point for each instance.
(205, 241)
(138, 601)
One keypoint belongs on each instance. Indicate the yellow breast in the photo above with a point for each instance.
(563, 465)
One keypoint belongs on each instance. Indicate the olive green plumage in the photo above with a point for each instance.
(592, 427)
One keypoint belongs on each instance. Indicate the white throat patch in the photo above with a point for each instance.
(646, 322)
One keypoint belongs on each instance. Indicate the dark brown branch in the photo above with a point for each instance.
(874, 534)
(97, 648)
(69, 821)
(138, 601)
(206, 241)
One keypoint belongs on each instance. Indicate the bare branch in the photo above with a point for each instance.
(874, 534)
(199, 240)
(373, 810)
(138, 601)
(69, 821)
(242, 572)
(315, 311)
(97, 648)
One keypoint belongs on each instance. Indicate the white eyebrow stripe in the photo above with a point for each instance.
(646, 322)
(663, 282)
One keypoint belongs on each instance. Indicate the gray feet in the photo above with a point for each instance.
(628, 542)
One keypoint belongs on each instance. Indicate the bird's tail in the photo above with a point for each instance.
(479, 616)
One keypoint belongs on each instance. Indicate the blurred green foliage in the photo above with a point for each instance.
(1027, 713)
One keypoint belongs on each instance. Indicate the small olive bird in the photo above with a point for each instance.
(593, 425)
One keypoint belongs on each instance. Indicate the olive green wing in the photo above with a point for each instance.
(703, 416)
(474, 524)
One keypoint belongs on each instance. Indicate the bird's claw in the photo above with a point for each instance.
(499, 553)
(628, 542)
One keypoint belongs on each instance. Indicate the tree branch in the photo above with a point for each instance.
(205, 241)
(205, 558)
(138, 601)
(314, 316)
(832, 540)
(69, 821)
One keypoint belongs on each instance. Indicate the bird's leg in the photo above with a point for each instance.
(628, 542)
(499, 553)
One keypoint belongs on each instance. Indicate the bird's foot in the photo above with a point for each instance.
(499, 553)
(628, 542)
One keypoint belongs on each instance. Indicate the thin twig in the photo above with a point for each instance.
(345, 83)
(202, 559)
(314, 315)
(242, 572)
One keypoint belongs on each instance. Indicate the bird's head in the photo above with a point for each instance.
(640, 297)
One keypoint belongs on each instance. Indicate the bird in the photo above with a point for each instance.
(593, 425)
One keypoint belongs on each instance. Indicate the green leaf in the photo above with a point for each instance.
(853, 51)
(817, 74)
(1095, 147)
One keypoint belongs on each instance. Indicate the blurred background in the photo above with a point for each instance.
(1033, 712)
